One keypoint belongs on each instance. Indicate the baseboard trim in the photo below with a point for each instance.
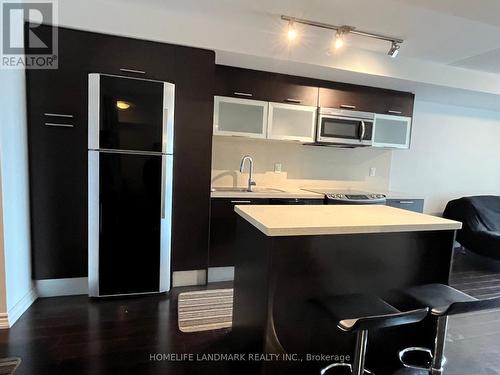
(189, 278)
(62, 287)
(19, 308)
(218, 274)
(79, 285)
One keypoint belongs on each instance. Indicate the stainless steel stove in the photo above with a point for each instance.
(346, 196)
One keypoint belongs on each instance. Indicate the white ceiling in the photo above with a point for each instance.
(449, 52)
(439, 31)
(484, 11)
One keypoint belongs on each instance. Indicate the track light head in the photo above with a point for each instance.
(292, 31)
(339, 39)
(393, 52)
(340, 36)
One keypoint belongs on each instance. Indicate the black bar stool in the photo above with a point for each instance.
(361, 313)
(443, 301)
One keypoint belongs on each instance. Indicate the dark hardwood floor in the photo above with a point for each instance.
(473, 340)
(77, 335)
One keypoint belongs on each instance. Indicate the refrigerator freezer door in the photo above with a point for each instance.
(128, 114)
(125, 224)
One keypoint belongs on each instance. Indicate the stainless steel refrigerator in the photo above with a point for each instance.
(130, 167)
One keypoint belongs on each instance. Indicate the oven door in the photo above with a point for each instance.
(345, 130)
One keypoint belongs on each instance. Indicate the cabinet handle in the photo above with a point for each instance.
(248, 95)
(241, 201)
(58, 115)
(394, 112)
(406, 202)
(59, 125)
(363, 131)
(132, 71)
(347, 106)
(292, 100)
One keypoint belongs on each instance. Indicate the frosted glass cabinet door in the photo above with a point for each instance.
(291, 122)
(240, 117)
(391, 131)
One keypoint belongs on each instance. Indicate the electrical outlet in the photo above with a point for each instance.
(277, 167)
(373, 172)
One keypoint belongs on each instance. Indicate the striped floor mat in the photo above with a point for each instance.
(205, 310)
(9, 365)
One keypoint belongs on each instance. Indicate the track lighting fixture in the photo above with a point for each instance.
(341, 32)
(393, 52)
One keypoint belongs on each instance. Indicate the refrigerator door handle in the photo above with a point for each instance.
(163, 185)
(168, 117)
(166, 221)
(166, 135)
(94, 222)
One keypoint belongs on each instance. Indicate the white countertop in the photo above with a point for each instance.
(399, 195)
(312, 220)
(287, 193)
(301, 194)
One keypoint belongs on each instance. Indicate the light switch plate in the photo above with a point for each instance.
(373, 172)
(277, 167)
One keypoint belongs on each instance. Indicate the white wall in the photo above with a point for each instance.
(15, 191)
(3, 290)
(302, 166)
(455, 152)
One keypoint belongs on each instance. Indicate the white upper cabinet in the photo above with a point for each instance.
(391, 131)
(240, 117)
(291, 122)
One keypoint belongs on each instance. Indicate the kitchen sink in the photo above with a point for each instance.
(244, 190)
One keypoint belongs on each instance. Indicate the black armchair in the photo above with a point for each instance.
(480, 216)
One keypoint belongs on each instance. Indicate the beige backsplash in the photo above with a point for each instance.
(302, 166)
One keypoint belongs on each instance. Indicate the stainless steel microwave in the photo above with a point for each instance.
(345, 127)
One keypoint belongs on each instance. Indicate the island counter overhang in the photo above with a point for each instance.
(288, 255)
(339, 219)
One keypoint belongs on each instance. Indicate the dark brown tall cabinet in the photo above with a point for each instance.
(57, 132)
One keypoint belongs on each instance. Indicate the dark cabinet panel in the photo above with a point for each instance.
(132, 57)
(366, 99)
(296, 201)
(58, 155)
(282, 88)
(57, 136)
(58, 188)
(349, 97)
(396, 103)
(194, 72)
(242, 83)
(223, 229)
(293, 90)
(223, 225)
(416, 205)
(266, 86)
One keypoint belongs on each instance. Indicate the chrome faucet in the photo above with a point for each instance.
(251, 182)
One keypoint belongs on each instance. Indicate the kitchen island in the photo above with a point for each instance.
(287, 256)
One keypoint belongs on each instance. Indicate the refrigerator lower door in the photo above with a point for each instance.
(128, 200)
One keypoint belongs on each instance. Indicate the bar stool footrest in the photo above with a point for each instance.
(427, 362)
(341, 364)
